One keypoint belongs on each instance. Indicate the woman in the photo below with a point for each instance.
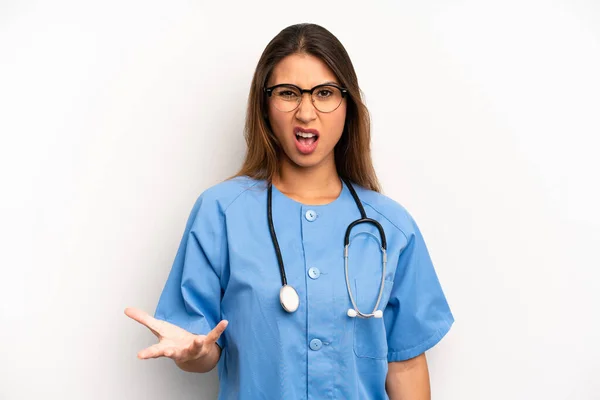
(266, 251)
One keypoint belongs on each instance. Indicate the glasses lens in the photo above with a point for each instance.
(327, 98)
(286, 98)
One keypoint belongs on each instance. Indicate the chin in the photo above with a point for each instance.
(306, 164)
(307, 161)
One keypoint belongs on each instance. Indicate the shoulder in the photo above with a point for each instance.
(219, 197)
(210, 206)
(222, 195)
(388, 209)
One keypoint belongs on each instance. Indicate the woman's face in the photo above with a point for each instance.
(306, 72)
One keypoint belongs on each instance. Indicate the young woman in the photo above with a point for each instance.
(297, 277)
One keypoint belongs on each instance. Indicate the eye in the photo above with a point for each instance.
(324, 93)
(286, 93)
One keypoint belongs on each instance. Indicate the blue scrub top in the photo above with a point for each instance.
(226, 268)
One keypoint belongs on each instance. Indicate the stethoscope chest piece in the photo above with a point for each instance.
(289, 298)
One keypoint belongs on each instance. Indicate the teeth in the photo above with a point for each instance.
(305, 134)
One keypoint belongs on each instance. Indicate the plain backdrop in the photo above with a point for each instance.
(116, 115)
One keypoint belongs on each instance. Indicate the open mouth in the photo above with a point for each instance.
(306, 140)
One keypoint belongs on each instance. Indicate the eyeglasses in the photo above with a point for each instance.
(287, 97)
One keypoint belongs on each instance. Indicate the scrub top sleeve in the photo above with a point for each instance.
(417, 315)
(191, 298)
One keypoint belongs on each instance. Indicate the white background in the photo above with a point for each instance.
(115, 115)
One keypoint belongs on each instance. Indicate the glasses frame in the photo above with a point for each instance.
(269, 92)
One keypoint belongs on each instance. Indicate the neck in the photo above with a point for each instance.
(319, 184)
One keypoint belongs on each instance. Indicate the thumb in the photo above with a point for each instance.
(216, 333)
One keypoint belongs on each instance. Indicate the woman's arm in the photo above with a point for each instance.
(409, 379)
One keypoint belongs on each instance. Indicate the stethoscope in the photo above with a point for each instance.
(288, 296)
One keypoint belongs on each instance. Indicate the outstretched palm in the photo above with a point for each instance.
(174, 342)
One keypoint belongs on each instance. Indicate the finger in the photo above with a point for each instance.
(144, 319)
(216, 333)
(153, 351)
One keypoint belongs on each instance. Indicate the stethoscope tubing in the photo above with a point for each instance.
(363, 220)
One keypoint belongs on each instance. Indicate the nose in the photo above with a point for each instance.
(306, 111)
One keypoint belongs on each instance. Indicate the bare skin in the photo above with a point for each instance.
(192, 353)
(408, 380)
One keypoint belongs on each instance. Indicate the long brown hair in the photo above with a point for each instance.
(352, 152)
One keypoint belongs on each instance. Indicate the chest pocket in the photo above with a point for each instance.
(370, 338)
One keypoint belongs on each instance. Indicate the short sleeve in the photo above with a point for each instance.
(417, 315)
(191, 298)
